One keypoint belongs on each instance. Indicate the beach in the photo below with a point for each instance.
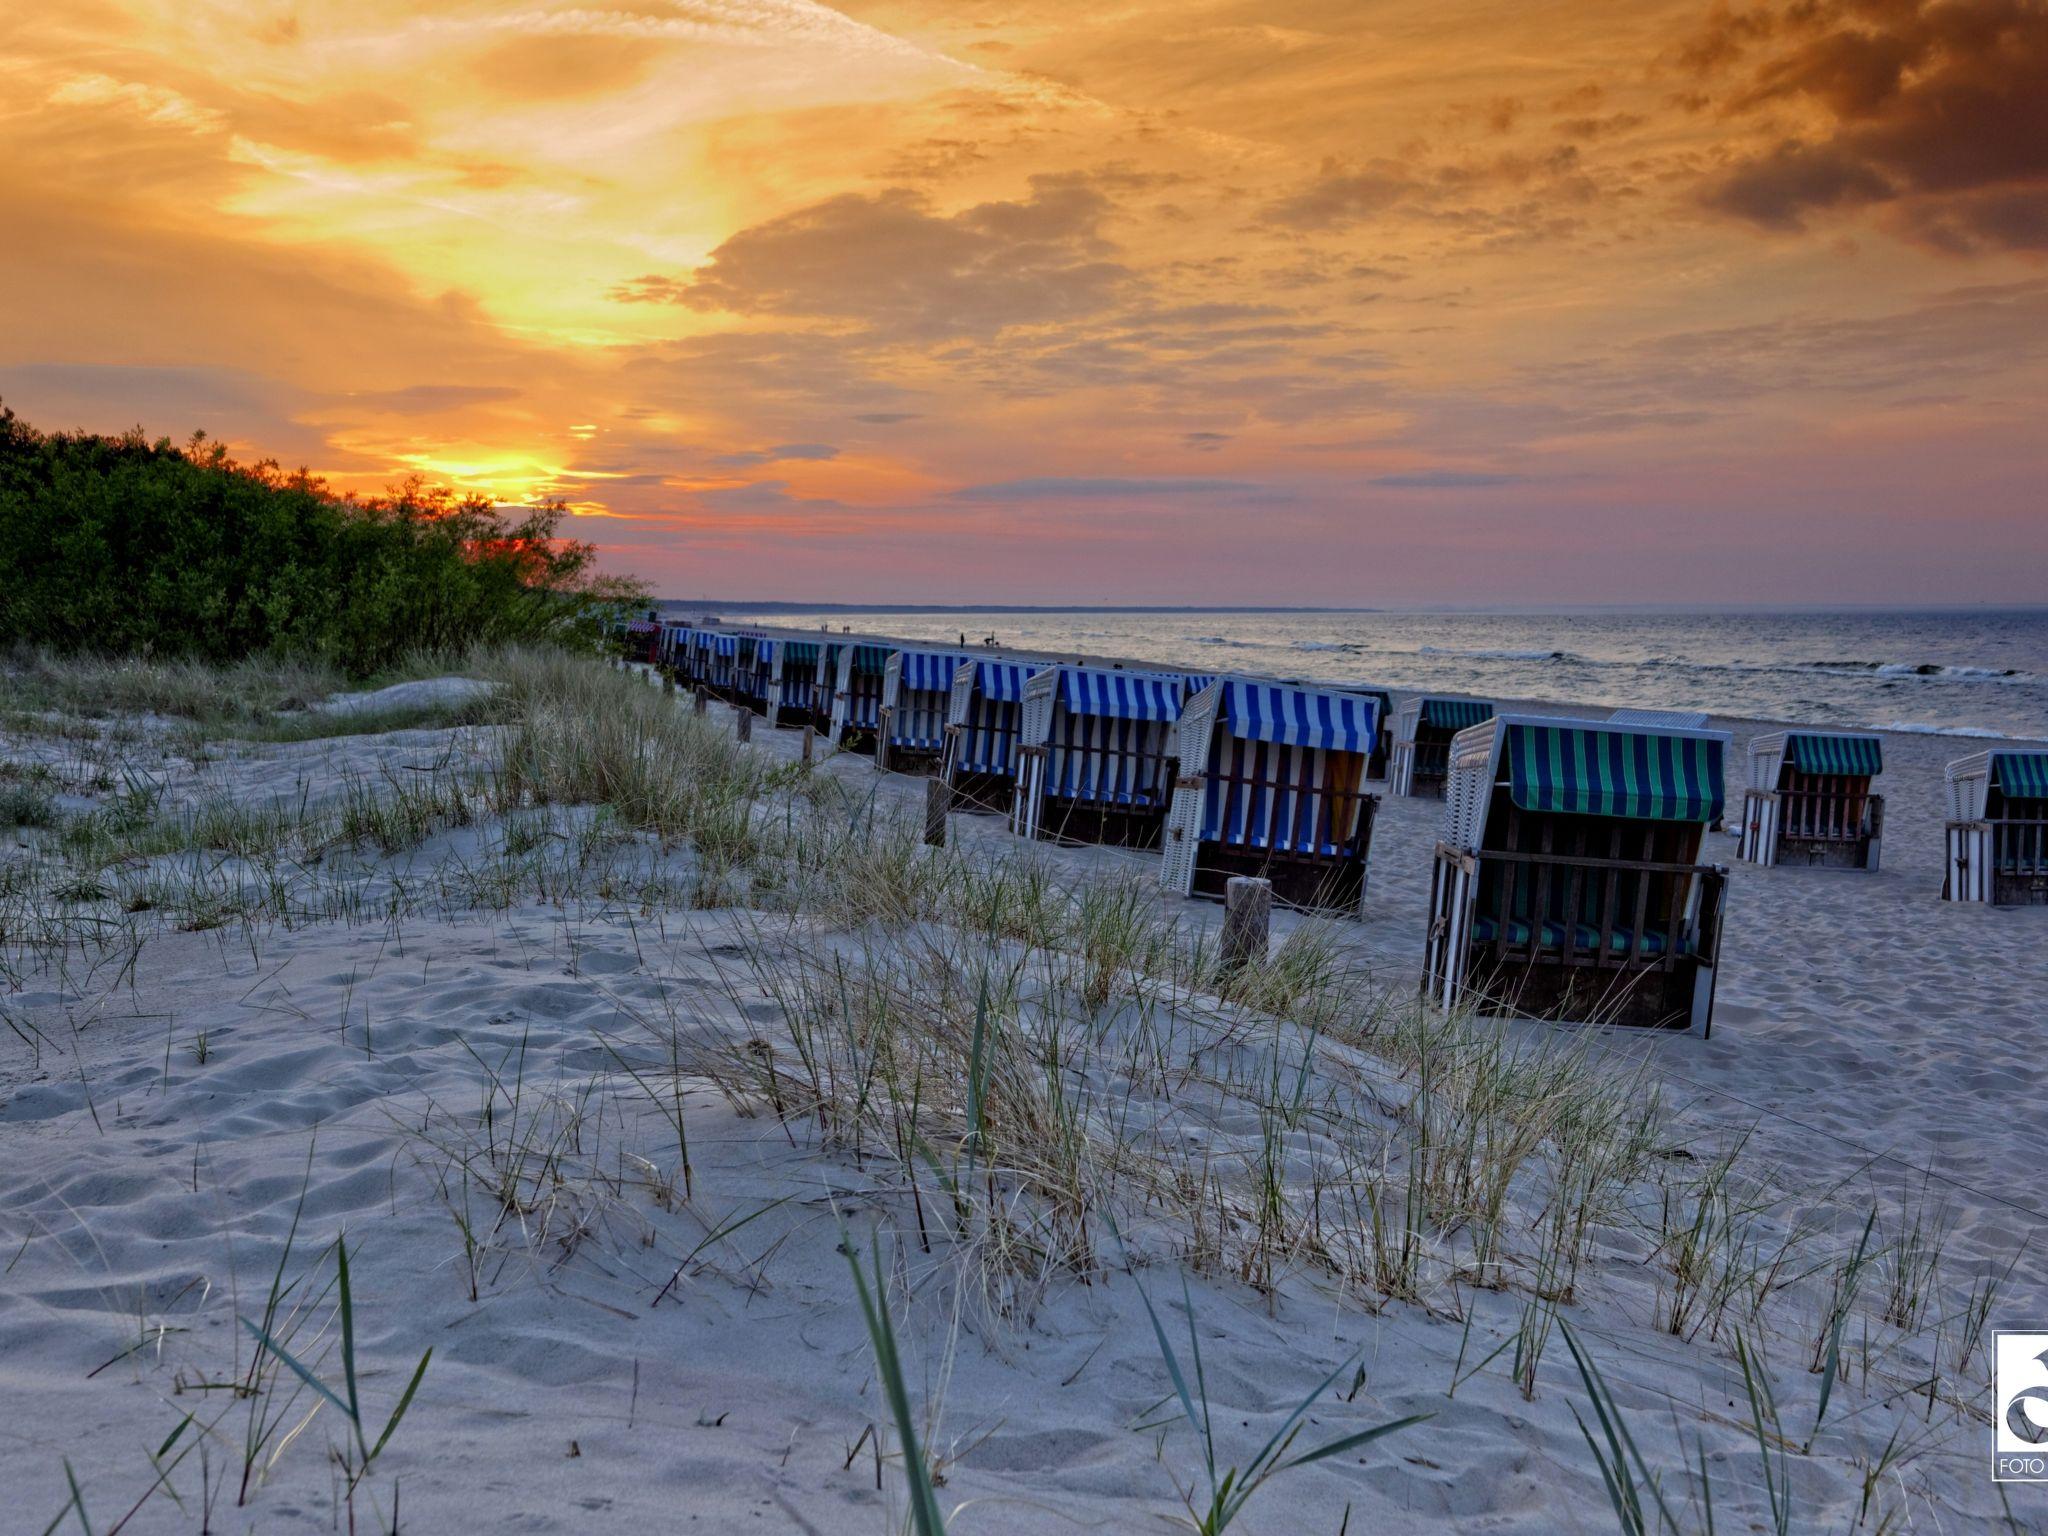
(525, 1060)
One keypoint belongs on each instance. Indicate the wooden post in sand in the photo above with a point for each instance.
(938, 799)
(702, 701)
(668, 682)
(1247, 920)
(810, 748)
(743, 726)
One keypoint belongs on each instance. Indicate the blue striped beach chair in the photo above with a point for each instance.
(793, 684)
(1998, 828)
(1422, 742)
(1569, 881)
(1272, 784)
(917, 691)
(1092, 755)
(984, 712)
(857, 701)
(1809, 800)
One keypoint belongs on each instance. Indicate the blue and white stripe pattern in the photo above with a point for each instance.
(1284, 769)
(930, 671)
(1110, 736)
(1300, 717)
(988, 737)
(924, 692)
(1002, 681)
(1121, 695)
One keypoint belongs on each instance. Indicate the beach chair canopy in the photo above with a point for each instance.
(2020, 775)
(1812, 752)
(1684, 719)
(1197, 681)
(1300, 717)
(1587, 771)
(930, 671)
(1121, 695)
(1001, 682)
(1453, 714)
(871, 659)
(799, 651)
(725, 645)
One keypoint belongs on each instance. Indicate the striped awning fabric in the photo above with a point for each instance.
(641, 626)
(1854, 755)
(1300, 718)
(1634, 774)
(873, 659)
(1001, 681)
(2021, 775)
(1197, 681)
(1454, 714)
(725, 645)
(1121, 695)
(799, 650)
(931, 671)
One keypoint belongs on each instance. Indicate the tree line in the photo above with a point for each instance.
(127, 546)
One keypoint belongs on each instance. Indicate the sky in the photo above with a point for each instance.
(1135, 301)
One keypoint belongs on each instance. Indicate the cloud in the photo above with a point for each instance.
(814, 452)
(885, 418)
(1070, 488)
(1339, 196)
(1446, 480)
(1936, 110)
(893, 263)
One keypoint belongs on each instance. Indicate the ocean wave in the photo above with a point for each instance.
(1494, 655)
(1917, 728)
(1325, 645)
(1235, 645)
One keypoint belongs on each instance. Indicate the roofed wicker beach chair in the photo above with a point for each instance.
(1092, 755)
(1685, 719)
(917, 690)
(753, 673)
(1271, 783)
(794, 686)
(642, 636)
(1998, 829)
(1422, 742)
(857, 699)
(721, 664)
(1569, 883)
(668, 655)
(983, 713)
(1381, 757)
(1809, 800)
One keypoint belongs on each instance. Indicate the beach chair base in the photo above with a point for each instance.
(1079, 824)
(1331, 886)
(984, 793)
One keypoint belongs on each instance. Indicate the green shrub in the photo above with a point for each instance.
(122, 546)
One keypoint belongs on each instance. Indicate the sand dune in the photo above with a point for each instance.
(638, 1355)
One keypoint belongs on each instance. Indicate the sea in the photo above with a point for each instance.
(1964, 673)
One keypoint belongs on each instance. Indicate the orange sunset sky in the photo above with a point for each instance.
(1295, 302)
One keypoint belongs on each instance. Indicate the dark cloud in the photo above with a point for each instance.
(1936, 110)
(1069, 488)
(1447, 480)
(892, 263)
(813, 452)
(885, 418)
(1204, 442)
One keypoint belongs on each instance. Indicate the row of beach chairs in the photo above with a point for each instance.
(1571, 880)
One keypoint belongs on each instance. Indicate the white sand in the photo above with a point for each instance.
(423, 693)
(1865, 1030)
